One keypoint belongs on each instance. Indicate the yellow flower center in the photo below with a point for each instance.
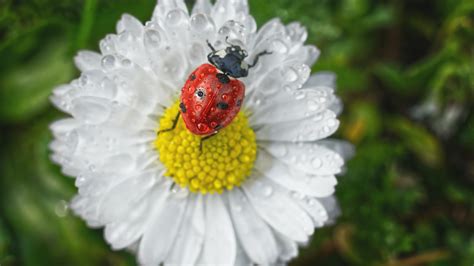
(224, 162)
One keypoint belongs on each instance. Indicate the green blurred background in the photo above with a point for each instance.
(406, 76)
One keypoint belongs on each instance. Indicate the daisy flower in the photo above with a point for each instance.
(252, 193)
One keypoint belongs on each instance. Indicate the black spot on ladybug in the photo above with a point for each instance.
(200, 94)
(192, 77)
(223, 78)
(222, 105)
(182, 107)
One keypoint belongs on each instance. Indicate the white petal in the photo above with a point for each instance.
(202, 6)
(344, 148)
(293, 179)
(190, 238)
(225, 10)
(161, 232)
(308, 157)
(165, 6)
(288, 248)
(313, 207)
(254, 234)
(242, 259)
(131, 24)
(336, 106)
(220, 243)
(332, 208)
(286, 106)
(309, 129)
(123, 198)
(322, 79)
(278, 210)
(87, 60)
(121, 234)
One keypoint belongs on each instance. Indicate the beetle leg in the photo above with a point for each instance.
(210, 46)
(227, 40)
(206, 138)
(172, 186)
(175, 122)
(255, 61)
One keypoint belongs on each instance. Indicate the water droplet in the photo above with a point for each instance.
(152, 38)
(61, 208)
(267, 191)
(198, 107)
(126, 62)
(175, 17)
(317, 117)
(200, 22)
(224, 30)
(316, 162)
(332, 122)
(80, 180)
(108, 62)
(290, 75)
(92, 167)
(312, 105)
(299, 95)
(202, 127)
(311, 202)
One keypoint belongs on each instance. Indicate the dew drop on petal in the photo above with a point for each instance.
(332, 122)
(224, 30)
(311, 202)
(152, 38)
(61, 208)
(108, 62)
(312, 105)
(199, 22)
(126, 62)
(290, 75)
(267, 191)
(316, 163)
(175, 17)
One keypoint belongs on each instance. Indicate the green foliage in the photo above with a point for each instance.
(405, 74)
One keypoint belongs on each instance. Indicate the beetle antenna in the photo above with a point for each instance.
(255, 61)
(210, 46)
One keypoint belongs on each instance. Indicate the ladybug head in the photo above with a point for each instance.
(231, 60)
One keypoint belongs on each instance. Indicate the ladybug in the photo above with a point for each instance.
(212, 95)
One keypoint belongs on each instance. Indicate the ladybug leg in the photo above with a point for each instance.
(227, 40)
(175, 122)
(210, 46)
(206, 138)
(255, 61)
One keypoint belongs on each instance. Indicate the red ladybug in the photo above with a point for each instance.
(212, 95)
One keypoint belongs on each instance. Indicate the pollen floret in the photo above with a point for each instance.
(225, 161)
